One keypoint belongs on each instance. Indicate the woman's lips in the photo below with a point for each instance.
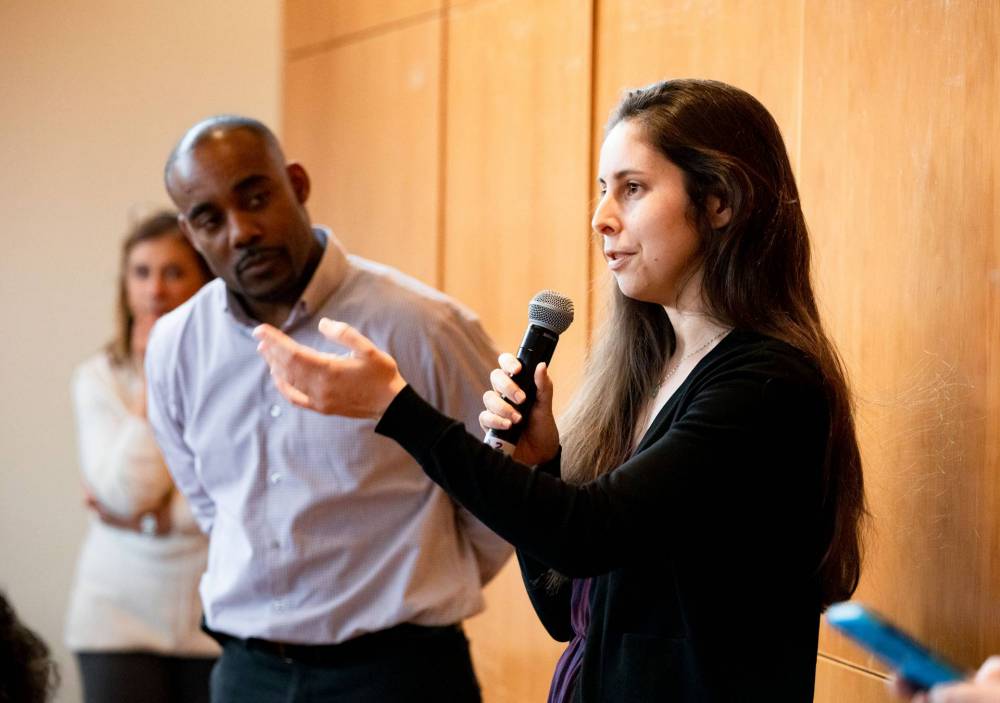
(617, 259)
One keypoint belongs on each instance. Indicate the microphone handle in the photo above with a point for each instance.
(537, 346)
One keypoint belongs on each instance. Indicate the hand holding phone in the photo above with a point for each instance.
(911, 660)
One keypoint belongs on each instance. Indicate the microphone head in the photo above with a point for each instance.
(550, 310)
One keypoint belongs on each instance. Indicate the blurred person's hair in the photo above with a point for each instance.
(27, 672)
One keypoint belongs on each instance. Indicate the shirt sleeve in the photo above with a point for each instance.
(167, 421)
(701, 476)
(120, 460)
(462, 357)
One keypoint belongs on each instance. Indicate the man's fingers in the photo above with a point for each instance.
(275, 346)
(346, 336)
(293, 394)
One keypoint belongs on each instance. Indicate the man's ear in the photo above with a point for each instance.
(718, 216)
(300, 181)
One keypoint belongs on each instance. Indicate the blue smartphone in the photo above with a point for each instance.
(911, 660)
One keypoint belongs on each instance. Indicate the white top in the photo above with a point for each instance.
(132, 591)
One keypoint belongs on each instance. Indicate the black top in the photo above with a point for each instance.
(704, 545)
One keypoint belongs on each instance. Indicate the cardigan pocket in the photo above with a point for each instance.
(654, 668)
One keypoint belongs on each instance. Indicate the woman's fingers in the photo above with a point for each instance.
(501, 408)
(503, 385)
(509, 363)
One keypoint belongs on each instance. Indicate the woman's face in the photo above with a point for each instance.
(160, 274)
(642, 217)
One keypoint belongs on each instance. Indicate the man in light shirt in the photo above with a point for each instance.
(337, 570)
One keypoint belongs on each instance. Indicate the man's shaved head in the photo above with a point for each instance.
(219, 125)
(243, 208)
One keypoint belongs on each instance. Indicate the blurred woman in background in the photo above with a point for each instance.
(134, 611)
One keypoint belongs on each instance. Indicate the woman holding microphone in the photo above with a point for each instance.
(703, 502)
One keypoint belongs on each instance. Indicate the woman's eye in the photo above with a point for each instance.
(632, 188)
(173, 273)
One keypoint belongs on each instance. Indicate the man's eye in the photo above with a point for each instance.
(257, 200)
(207, 224)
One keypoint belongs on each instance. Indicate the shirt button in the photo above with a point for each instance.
(275, 478)
(275, 410)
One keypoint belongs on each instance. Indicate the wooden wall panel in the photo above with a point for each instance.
(309, 23)
(517, 154)
(364, 120)
(516, 210)
(459, 144)
(836, 683)
(899, 177)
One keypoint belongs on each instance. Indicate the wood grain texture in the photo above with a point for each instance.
(516, 221)
(309, 24)
(472, 168)
(836, 683)
(517, 152)
(899, 178)
(364, 120)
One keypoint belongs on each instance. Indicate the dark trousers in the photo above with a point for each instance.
(407, 664)
(140, 677)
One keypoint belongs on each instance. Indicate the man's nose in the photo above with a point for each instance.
(243, 230)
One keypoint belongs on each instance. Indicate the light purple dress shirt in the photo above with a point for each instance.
(320, 530)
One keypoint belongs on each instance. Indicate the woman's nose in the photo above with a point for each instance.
(605, 221)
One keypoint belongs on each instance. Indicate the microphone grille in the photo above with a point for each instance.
(551, 310)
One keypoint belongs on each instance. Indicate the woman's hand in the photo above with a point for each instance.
(360, 384)
(154, 523)
(540, 440)
(984, 688)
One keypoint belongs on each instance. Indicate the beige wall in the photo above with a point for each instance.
(94, 92)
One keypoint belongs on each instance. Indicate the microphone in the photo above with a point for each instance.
(549, 314)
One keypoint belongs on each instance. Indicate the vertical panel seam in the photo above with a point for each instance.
(442, 199)
(801, 95)
(588, 330)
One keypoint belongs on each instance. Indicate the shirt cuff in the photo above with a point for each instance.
(413, 423)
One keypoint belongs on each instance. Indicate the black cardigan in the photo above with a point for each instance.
(703, 546)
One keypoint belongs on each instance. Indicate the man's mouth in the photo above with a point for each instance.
(256, 261)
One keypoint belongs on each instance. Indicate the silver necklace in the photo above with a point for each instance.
(672, 369)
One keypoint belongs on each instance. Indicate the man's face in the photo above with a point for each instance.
(245, 212)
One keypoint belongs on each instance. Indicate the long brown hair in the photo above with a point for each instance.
(162, 223)
(756, 276)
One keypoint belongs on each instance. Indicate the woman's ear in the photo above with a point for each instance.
(718, 215)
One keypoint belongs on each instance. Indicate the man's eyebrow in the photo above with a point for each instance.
(251, 182)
